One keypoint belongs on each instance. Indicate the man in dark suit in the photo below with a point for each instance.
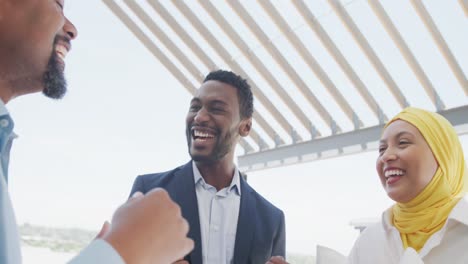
(229, 221)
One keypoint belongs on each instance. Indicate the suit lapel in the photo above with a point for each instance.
(245, 225)
(185, 196)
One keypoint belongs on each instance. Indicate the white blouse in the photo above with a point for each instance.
(381, 242)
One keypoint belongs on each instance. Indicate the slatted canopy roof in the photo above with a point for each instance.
(326, 74)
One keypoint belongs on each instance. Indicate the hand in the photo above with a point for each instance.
(181, 262)
(277, 260)
(149, 229)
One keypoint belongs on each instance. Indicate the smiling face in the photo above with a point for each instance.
(405, 164)
(213, 122)
(35, 38)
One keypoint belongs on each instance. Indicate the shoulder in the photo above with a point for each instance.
(373, 233)
(369, 244)
(158, 179)
(263, 205)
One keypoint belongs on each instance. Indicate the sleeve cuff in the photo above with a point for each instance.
(98, 252)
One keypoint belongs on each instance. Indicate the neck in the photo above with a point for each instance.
(218, 174)
(14, 84)
(17, 75)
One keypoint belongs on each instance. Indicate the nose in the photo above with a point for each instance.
(201, 116)
(70, 29)
(388, 155)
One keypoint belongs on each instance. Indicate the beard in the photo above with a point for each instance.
(55, 85)
(221, 148)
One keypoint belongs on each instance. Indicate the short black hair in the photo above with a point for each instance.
(244, 91)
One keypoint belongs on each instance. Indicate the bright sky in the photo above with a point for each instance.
(75, 159)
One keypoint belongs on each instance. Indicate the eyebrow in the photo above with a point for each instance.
(214, 102)
(218, 102)
(195, 100)
(397, 136)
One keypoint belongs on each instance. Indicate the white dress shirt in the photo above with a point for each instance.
(381, 242)
(219, 213)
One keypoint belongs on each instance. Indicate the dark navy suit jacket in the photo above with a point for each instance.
(260, 227)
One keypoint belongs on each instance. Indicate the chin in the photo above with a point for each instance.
(393, 197)
(203, 159)
(197, 156)
(399, 198)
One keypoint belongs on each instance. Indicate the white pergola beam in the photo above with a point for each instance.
(366, 48)
(311, 62)
(182, 34)
(285, 66)
(441, 44)
(328, 43)
(165, 40)
(464, 6)
(407, 53)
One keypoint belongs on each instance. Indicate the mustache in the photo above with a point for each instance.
(201, 125)
(64, 40)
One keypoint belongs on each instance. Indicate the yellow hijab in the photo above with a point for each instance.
(427, 213)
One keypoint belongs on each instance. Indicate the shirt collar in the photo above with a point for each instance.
(6, 124)
(387, 217)
(235, 183)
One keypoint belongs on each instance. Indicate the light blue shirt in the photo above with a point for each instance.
(9, 237)
(97, 252)
(219, 213)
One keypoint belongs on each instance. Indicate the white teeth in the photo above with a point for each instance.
(61, 51)
(202, 134)
(391, 173)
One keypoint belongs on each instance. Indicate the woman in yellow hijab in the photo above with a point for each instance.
(422, 168)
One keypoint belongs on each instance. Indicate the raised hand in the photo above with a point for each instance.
(149, 229)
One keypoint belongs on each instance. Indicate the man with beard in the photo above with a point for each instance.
(229, 221)
(35, 37)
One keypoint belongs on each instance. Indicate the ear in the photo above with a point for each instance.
(245, 126)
